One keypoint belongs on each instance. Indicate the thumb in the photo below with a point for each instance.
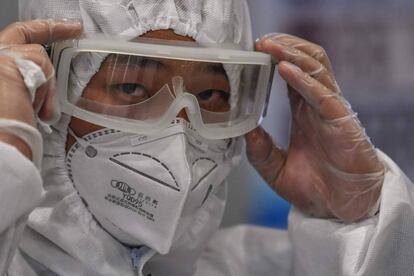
(264, 155)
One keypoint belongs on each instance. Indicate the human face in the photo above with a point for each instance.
(122, 88)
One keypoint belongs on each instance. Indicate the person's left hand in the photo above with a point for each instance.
(21, 50)
(330, 168)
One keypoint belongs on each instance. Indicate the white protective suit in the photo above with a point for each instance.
(62, 238)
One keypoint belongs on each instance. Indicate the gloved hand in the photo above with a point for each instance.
(330, 168)
(20, 49)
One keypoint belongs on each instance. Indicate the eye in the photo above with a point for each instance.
(213, 95)
(131, 89)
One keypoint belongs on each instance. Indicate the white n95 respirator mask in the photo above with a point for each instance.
(144, 190)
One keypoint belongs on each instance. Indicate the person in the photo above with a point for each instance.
(354, 207)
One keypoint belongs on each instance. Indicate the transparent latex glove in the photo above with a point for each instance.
(330, 168)
(20, 43)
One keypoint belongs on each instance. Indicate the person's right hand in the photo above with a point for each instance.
(22, 40)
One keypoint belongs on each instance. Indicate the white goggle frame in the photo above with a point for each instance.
(63, 52)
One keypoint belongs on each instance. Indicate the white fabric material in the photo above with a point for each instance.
(32, 74)
(62, 236)
(150, 186)
(381, 245)
(19, 178)
(85, 66)
(213, 21)
(20, 191)
(247, 250)
(28, 134)
(63, 223)
(61, 233)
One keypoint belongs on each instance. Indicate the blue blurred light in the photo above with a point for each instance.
(268, 208)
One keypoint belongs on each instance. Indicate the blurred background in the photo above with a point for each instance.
(371, 46)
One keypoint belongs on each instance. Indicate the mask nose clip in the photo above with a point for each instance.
(178, 85)
(179, 92)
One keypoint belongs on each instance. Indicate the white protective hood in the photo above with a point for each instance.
(62, 234)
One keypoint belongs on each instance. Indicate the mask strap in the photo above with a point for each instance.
(80, 141)
(89, 149)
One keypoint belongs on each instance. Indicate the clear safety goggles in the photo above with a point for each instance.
(140, 86)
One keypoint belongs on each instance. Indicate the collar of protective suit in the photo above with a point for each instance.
(62, 235)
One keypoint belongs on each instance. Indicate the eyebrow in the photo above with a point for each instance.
(136, 61)
(212, 68)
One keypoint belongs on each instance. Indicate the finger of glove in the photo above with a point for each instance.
(303, 45)
(47, 111)
(328, 104)
(37, 54)
(266, 158)
(41, 31)
(355, 154)
(15, 102)
(301, 59)
(43, 99)
(10, 76)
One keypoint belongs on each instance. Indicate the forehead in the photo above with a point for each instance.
(168, 34)
(123, 62)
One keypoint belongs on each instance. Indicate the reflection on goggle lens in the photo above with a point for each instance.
(127, 80)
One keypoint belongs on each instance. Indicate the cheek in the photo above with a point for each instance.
(93, 93)
(96, 85)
